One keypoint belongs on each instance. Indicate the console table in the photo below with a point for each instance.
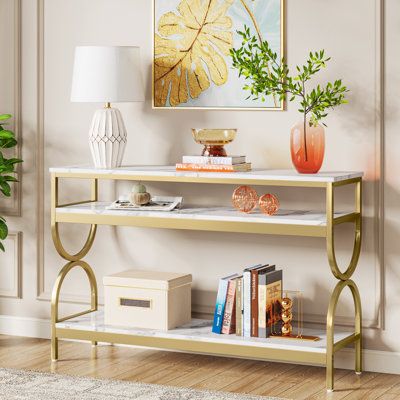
(197, 336)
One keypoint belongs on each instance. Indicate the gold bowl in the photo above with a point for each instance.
(214, 140)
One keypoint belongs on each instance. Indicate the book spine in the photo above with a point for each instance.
(273, 303)
(204, 168)
(228, 323)
(213, 160)
(254, 303)
(220, 306)
(262, 306)
(246, 304)
(239, 307)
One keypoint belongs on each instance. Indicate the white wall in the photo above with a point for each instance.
(54, 133)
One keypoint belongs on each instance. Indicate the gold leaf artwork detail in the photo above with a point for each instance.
(189, 49)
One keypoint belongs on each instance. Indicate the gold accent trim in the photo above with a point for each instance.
(282, 106)
(56, 297)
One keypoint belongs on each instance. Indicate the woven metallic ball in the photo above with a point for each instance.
(244, 199)
(269, 204)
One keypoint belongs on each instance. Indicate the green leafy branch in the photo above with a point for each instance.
(266, 76)
(7, 169)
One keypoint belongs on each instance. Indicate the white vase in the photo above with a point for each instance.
(107, 138)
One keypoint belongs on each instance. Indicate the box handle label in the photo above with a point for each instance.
(135, 303)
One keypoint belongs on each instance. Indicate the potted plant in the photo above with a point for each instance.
(7, 167)
(267, 76)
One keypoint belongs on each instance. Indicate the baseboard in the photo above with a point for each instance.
(24, 326)
(374, 360)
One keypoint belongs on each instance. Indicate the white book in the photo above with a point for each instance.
(247, 300)
(228, 160)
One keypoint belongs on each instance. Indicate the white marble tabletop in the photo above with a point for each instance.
(255, 174)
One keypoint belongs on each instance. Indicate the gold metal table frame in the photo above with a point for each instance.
(343, 277)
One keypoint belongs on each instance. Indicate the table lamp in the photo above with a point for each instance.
(107, 74)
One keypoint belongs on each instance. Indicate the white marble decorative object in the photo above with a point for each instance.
(107, 138)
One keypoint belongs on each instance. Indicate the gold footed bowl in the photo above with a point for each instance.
(214, 140)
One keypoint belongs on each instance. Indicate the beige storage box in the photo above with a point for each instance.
(147, 299)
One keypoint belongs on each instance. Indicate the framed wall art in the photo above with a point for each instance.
(192, 66)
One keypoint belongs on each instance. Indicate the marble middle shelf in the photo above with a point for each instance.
(224, 219)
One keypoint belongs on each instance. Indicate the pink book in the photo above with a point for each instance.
(228, 324)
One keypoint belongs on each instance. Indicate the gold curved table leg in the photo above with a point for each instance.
(356, 338)
(55, 297)
(61, 250)
(344, 280)
(54, 225)
(330, 238)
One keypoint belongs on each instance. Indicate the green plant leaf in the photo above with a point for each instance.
(7, 143)
(4, 117)
(4, 134)
(10, 178)
(5, 188)
(3, 230)
(2, 247)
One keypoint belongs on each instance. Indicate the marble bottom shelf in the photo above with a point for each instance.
(197, 337)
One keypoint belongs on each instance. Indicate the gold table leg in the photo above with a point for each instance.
(54, 225)
(344, 280)
(56, 297)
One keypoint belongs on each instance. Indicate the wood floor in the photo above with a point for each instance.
(195, 371)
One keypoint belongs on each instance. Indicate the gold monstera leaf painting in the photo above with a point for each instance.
(189, 50)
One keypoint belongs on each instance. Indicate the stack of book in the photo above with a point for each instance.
(214, 164)
(249, 304)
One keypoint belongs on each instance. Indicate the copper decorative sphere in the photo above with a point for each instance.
(244, 199)
(269, 204)
(287, 330)
(286, 303)
(286, 316)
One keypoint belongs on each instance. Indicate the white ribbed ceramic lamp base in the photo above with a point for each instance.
(107, 138)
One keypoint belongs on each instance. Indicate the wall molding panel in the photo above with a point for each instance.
(377, 322)
(14, 209)
(16, 268)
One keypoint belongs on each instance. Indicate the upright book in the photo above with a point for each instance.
(254, 296)
(247, 300)
(229, 320)
(220, 303)
(262, 301)
(239, 306)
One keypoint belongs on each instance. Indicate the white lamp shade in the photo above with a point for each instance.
(107, 74)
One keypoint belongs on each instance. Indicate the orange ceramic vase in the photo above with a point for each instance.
(307, 150)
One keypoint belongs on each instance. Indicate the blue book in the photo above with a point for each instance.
(220, 303)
